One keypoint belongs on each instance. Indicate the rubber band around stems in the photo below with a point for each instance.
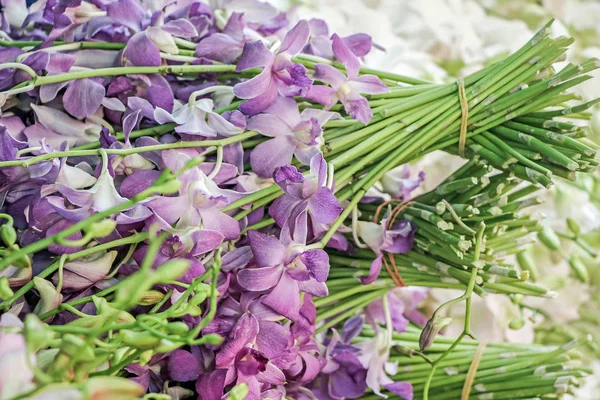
(466, 390)
(464, 118)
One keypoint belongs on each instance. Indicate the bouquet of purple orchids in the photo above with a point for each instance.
(215, 202)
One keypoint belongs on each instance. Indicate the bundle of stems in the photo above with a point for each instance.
(503, 370)
(443, 254)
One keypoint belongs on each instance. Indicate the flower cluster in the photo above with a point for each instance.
(264, 316)
(185, 189)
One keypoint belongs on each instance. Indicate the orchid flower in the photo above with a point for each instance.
(279, 75)
(348, 90)
(398, 239)
(292, 133)
(306, 199)
(286, 271)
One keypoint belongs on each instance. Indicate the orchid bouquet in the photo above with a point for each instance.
(199, 200)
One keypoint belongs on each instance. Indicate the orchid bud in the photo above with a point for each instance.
(139, 340)
(5, 290)
(171, 270)
(23, 261)
(102, 229)
(193, 311)
(76, 348)
(213, 339)
(133, 288)
(151, 297)
(37, 334)
(201, 293)
(145, 357)
(574, 226)
(579, 269)
(238, 392)
(8, 234)
(166, 346)
(527, 264)
(177, 328)
(516, 324)
(549, 238)
(431, 329)
(113, 388)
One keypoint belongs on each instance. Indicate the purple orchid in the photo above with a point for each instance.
(284, 271)
(227, 45)
(319, 42)
(199, 201)
(398, 183)
(144, 48)
(398, 239)
(307, 201)
(242, 358)
(345, 89)
(293, 134)
(374, 355)
(403, 304)
(57, 127)
(343, 376)
(279, 75)
(188, 244)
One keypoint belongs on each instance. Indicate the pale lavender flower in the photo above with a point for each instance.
(293, 134)
(348, 90)
(398, 239)
(319, 42)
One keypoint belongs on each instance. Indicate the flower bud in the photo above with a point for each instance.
(76, 348)
(8, 234)
(49, 297)
(238, 392)
(37, 334)
(573, 226)
(549, 238)
(171, 270)
(151, 297)
(516, 324)
(113, 388)
(431, 329)
(177, 328)
(201, 293)
(102, 228)
(527, 264)
(5, 290)
(133, 288)
(213, 339)
(139, 340)
(579, 269)
(166, 346)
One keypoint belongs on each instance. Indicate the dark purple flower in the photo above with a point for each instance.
(345, 89)
(306, 200)
(183, 366)
(292, 132)
(243, 359)
(279, 76)
(285, 272)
